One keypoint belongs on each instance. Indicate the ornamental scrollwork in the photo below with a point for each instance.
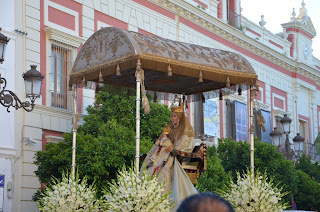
(9, 99)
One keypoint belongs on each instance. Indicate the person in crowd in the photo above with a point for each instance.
(205, 202)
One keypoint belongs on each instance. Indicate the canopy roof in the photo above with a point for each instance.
(111, 47)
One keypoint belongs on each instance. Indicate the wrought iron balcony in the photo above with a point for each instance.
(234, 19)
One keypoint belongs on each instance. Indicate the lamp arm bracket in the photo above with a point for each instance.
(9, 99)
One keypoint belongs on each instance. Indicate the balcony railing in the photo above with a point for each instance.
(62, 100)
(312, 152)
(234, 19)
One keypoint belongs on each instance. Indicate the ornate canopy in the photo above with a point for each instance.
(111, 55)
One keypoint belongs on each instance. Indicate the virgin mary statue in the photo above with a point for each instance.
(160, 162)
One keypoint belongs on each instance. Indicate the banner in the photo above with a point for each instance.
(210, 113)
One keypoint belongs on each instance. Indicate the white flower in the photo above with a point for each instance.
(254, 193)
(69, 195)
(131, 193)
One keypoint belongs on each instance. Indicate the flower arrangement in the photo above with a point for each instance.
(69, 195)
(254, 193)
(133, 193)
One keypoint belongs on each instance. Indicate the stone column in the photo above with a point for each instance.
(198, 117)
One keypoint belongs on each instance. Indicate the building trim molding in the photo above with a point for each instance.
(233, 35)
(51, 111)
(280, 113)
(63, 37)
(54, 139)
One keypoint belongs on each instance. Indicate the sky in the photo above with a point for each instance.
(277, 12)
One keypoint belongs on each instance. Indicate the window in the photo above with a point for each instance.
(241, 121)
(230, 124)
(61, 51)
(236, 120)
(233, 17)
(303, 129)
(263, 136)
(61, 59)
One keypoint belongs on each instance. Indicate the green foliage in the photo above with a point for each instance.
(215, 177)
(106, 140)
(308, 167)
(121, 107)
(268, 159)
(235, 156)
(231, 157)
(308, 195)
(317, 143)
(54, 159)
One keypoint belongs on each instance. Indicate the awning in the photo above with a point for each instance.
(111, 55)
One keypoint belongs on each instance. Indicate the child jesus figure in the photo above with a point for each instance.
(159, 158)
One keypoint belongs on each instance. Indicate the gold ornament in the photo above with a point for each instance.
(166, 131)
(118, 73)
(169, 71)
(100, 77)
(177, 108)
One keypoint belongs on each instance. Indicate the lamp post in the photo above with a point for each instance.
(3, 45)
(298, 141)
(286, 122)
(276, 137)
(32, 80)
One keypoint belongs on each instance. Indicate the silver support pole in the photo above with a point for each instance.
(74, 132)
(138, 80)
(251, 133)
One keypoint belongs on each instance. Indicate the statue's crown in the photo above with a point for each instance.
(177, 106)
(178, 109)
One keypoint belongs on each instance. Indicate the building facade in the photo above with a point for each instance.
(51, 32)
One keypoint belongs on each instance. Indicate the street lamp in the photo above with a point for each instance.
(32, 80)
(286, 122)
(298, 141)
(276, 137)
(3, 45)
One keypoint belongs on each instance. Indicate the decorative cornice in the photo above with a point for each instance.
(64, 37)
(232, 34)
(263, 106)
(236, 97)
(8, 153)
(304, 25)
(305, 68)
(7, 156)
(281, 113)
(54, 139)
(54, 112)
